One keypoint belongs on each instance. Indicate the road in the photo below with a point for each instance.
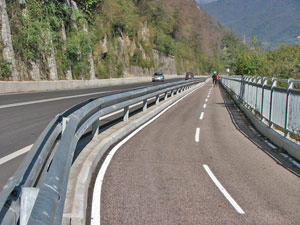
(199, 163)
(23, 116)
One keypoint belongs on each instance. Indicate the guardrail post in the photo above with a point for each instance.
(28, 198)
(145, 105)
(126, 113)
(172, 93)
(157, 99)
(166, 95)
(95, 128)
(290, 86)
(65, 121)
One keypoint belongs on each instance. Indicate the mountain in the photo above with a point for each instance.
(272, 21)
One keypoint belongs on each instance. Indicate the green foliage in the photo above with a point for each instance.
(284, 62)
(138, 60)
(88, 5)
(5, 69)
(121, 16)
(281, 63)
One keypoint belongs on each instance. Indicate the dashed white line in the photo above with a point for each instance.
(197, 135)
(201, 116)
(204, 106)
(15, 154)
(223, 190)
(206, 100)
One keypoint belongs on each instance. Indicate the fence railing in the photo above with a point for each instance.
(36, 192)
(277, 106)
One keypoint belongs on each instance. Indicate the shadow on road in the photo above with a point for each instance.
(243, 125)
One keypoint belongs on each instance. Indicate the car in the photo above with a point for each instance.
(158, 76)
(189, 75)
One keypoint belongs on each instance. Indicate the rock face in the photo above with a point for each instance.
(127, 48)
(63, 45)
(8, 52)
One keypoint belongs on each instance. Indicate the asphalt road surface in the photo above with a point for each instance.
(199, 163)
(23, 116)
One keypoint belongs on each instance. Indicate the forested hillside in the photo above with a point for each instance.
(88, 39)
(283, 62)
(274, 22)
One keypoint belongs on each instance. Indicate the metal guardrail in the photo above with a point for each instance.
(275, 105)
(36, 192)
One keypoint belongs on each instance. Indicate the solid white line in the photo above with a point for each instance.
(15, 154)
(204, 106)
(222, 189)
(49, 100)
(197, 135)
(56, 99)
(201, 116)
(96, 203)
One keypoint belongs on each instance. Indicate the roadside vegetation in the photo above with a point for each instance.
(253, 60)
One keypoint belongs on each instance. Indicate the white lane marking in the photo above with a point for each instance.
(96, 203)
(197, 135)
(206, 100)
(15, 154)
(56, 99)
(201, 116)
(223, 190)
(50, 100)
(204, 106)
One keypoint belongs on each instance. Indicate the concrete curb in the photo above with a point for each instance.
(292, 148)
(87, 161)
(31, 86)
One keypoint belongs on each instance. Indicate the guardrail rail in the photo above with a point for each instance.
(36, 192)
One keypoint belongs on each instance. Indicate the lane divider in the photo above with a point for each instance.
(197, 135)
(201, 116)
(223, 190)
(204, 106)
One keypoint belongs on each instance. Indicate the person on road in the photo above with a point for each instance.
(214, 77)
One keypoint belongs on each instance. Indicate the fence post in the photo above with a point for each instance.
(264, 83)
(290, 86)
(274, 84)
(258, 82)
(242, 89)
